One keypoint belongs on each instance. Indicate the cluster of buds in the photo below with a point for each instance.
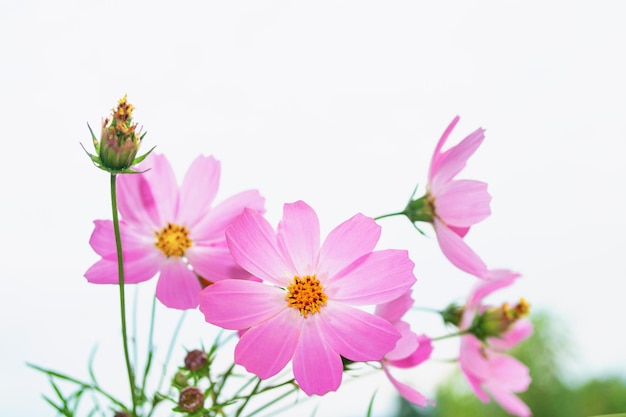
(116, 152)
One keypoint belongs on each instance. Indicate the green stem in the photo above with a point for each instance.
(447, 336)
(400, 213)
(120, 272)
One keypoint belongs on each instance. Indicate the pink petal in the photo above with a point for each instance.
(136, 270)
(463, 203)
(198, 190)
(151, 198)
(355, 334)
(178, 287)
(215, 263)
(103, 240)
(394, 310)
(317, 367)
(509, 373)
(419, 355)
(265, 350)
(215, 222)
(408, 393)
(452, 161)
(239, 304)
(471, 358)
(375, 278)
(435, 161)
(299, 237)
(457, 251)
(252, 243)
(348, 242)
(521, 330)
(510, 402)
(406, 345)
(493, 280)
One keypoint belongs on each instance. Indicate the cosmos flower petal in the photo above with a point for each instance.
(239, 304)
(419, 355)
(394, 310)
(521, 330)
(463, 203)
(348, 242)
(509, 401)
(258, 351)
(408, 393)
(198, 190)
(139, 269)
(152, 195)
(406, 345)
(356, 334)
(493, 280)
(214, 263)
(178, 286)
(317, 367)
(361, 282)
(252, 243)
(102, 240)
(213, 224)
(449, 163)
(458, 252)
(299, 237)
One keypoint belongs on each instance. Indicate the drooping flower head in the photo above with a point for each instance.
(305, 310)
(452, 205)
(494, 330)
(170, 230)
(410, 351)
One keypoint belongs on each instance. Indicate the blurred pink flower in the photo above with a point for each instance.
(169, 230)
(304, 308)
(457, 204)
(489, 371)
(410, 351)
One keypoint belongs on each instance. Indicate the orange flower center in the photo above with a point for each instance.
(173, 240)
(306, 294)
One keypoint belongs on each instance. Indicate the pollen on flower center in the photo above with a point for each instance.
(173, 240)
(306, 294)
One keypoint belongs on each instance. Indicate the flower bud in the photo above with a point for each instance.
(191, 399)
(116, 152)
(195, 360)
(495, 321)
(119, 141)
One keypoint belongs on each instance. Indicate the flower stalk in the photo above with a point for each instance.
(120, 271)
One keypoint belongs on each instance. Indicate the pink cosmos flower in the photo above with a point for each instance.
(410, 351)
(457, 204)
(304, 310)
(169, 230)
(489, 371)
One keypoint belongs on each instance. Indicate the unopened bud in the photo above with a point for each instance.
(191, 399)
(195, 360)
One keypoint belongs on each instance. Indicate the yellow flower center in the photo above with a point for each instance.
(306, 294)
(173, 240)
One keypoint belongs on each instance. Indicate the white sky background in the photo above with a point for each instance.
(336, 103)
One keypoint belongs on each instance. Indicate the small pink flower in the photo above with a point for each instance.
(489, 371)
(169, 230)
(457, 204)
(303, 311)
(410, 351)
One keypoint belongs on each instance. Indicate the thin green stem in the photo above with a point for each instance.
(448, 336)
(400, 213)
(120, 272)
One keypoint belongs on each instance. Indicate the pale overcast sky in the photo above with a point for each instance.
(336, 103)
